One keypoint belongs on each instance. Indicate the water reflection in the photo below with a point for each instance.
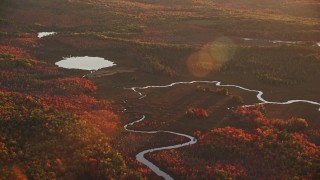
(43, 34)
(84, 63)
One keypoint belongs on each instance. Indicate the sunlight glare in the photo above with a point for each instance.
(211, 57)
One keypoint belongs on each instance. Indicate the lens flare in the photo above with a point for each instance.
(211, 57)
(222, 49)
(200, 64)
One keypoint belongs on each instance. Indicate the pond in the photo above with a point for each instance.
(84, 63)
(43, 34)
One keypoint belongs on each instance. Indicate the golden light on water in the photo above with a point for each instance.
(211, 57)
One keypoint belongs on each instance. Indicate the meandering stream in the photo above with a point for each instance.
(282, 41)
(192, 140)
(140, 157)
(96, 63)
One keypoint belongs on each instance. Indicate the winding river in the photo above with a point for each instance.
(140, 157)
(95, 63)
(192, 140)
(282, 41)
